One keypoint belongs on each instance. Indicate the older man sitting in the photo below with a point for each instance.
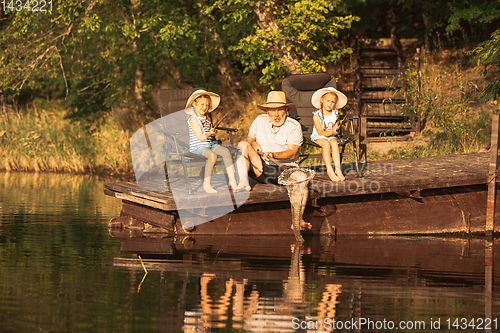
(273, 137)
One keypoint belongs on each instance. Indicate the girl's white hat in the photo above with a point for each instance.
(215, 99)
(341, 102)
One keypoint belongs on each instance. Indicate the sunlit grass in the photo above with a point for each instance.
(42, 140)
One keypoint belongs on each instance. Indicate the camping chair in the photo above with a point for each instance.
(175, 129)
(299, 89)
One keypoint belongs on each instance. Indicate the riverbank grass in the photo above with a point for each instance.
(40, 139)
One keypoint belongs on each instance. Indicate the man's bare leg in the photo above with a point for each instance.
(246, 160)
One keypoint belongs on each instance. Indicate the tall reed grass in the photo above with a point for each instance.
(41, 139)
(446, 98)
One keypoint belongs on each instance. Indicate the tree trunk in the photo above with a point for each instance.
(266, 20)
(225, 67)
(138, 74)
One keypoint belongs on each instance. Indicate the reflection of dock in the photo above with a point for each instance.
(348, 278)
(427, 195)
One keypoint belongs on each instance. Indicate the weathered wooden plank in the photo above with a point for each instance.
(375, 53)
(381, 125)
(382, 109)
(383, 95)
(381, 82)
(493, 166)
(152, 216)
(374, 72)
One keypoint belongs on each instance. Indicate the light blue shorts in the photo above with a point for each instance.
(316, 136)
(200, 150)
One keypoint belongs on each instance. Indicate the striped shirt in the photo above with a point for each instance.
(205, 125)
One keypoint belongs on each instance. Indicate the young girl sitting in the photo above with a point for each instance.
(201, 133)
(326, 127)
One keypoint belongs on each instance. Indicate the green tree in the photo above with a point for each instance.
(488, 53)
(285, 37)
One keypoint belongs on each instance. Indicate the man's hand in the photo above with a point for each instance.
(256, 146)
(266, 156)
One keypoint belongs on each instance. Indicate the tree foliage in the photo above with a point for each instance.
(298, 36)
(97, 54)
(100, 53)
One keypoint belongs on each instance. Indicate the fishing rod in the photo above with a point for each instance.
(220, 120)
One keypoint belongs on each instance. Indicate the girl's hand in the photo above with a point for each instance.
(212, 132)
(336, 128)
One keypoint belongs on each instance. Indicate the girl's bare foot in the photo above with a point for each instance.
(208, 188)
(233, 186)
(340, 176)
(333, 176)
(243, 186)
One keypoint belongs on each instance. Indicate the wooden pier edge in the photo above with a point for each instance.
(442, 194)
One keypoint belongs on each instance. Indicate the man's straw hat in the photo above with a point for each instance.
(275, 99)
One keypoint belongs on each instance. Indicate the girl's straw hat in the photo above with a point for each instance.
(275, 99)
(341, 102)
(214, 98)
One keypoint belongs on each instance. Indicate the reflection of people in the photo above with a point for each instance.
(326, 306)
(239, 308)
(213, 314)
(200, 134)
(326, 127)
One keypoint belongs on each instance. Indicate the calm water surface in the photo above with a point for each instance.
(62, 271)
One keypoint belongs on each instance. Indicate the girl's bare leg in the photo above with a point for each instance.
(228, 163)
(336, 158)
(209, 168)
(327, 159)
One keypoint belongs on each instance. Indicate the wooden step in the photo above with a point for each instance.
(378, 54)
(378, 64)
(381, 82)
(376, 72)
(381, 110)
(382, 96)
(373, 126)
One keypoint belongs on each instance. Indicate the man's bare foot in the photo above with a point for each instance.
(233, 186)
(243, 186)
(209, 189)
(304, 226)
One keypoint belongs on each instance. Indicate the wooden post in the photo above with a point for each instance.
(488, 280)
(492, 179)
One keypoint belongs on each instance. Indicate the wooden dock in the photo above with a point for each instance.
(442, 194)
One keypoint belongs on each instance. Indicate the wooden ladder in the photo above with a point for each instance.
(380, 91)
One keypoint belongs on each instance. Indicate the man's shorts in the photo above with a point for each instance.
(269, 174)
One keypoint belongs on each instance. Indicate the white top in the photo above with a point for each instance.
(327, 123)
(278, 139)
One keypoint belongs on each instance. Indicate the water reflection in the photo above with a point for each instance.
(62, 271)
(324, 283)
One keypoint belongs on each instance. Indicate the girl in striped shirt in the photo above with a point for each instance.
(202, 136)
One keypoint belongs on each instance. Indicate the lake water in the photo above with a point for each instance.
(62, 271)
